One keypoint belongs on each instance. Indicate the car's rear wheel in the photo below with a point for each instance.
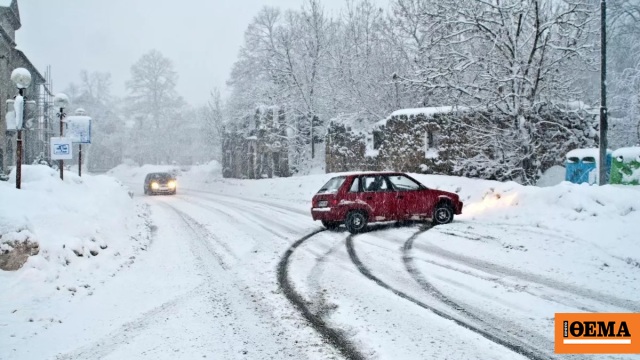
(330, 224)
(356, 221)
(442, 214)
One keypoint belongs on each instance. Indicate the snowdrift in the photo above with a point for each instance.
(85, 229)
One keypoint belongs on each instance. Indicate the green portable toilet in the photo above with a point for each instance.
(625, 169)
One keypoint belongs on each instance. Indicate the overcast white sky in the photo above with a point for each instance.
(201, 37)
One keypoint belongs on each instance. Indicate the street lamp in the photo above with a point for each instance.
(61, 101)
(22, 78)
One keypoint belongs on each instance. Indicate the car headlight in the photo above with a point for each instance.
(172, 184)
(154, 185)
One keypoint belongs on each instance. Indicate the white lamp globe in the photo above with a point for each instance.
(21, 77)
(61, 100)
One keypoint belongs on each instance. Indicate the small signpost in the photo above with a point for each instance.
(79, 131)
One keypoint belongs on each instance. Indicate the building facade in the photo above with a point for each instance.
(36, 135)
(257, 147)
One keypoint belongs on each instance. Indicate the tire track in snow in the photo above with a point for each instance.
(517, 348)
(263, 202)
(112, 341)
(255, 212)
(333, 336)
(499, 270)
(476, 315)
(203, 235)
(235, 217)
(498, 280)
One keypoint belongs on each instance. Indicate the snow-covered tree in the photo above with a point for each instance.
(155, 107)
(93, 94)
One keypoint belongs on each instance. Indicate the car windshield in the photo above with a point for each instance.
(161, 177)
(332, 185)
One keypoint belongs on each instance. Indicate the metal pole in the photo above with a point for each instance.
(19, 160)
(19, 148)
(61, 134)
(80, 162)
(602, 173)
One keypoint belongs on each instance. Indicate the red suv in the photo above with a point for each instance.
(358, 199)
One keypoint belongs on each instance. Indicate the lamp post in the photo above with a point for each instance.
(22, 78)
(61, 101)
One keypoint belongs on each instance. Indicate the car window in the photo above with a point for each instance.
(403, 183)
(333, 185)
(160, 177)
(355, 185)
(374, 183)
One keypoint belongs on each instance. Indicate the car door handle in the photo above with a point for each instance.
(369, 197)
(400, 197)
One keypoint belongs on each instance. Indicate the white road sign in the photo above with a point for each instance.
(61, 148)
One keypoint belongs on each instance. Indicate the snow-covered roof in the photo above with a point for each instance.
(582, 153)
(628, 154)
(426, 111)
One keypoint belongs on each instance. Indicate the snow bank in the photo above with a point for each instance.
(86, 230)
(553, 176)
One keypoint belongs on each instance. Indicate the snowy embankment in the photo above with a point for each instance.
(83, 229)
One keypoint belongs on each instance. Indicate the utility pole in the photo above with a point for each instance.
(602, 173)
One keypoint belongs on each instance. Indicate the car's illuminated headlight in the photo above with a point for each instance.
(171, 184)
(154, 185)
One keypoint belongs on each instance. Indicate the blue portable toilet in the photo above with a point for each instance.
(582, 165)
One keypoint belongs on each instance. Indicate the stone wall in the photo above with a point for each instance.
(472, 143)
(257, 147)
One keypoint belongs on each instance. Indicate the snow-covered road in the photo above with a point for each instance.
(231, 275)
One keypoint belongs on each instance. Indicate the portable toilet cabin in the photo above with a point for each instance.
(625, 169)
(582, 165)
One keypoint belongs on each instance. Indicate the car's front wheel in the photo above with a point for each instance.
(356, 222)
(330, 224)
(442, 214)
